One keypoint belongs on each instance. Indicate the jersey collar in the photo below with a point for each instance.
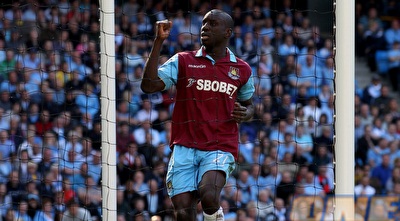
(202, 53)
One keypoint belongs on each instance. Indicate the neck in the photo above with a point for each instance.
(217, 53)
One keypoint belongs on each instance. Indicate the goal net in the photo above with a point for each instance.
(77, 131)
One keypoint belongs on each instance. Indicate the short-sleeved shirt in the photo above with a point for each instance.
(206, 93)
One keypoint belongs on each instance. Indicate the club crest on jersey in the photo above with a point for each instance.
(234, 73)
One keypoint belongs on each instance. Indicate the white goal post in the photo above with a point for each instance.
(108, 109)
(344, 112)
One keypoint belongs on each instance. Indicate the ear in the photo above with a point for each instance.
(229, 32)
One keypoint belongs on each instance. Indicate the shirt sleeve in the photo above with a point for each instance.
(247, 91)
(168, 72)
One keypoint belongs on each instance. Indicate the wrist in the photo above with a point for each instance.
(249, 114)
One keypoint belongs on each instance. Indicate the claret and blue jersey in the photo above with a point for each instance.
(204, 89)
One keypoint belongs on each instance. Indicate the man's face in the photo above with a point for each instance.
(74, 209)
(213, 29)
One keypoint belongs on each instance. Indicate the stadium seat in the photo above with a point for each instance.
(382, 61)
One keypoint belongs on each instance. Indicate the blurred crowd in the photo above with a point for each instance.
(50, 122)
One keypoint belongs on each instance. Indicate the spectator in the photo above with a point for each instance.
(58, 205)
(229, 215)
(325, 138)
(74, 143)
(244, 183)
(147, 112)
(311, 188)
(322, 157)
(394, 64)
(364, 188)
(8, 64)
(288, 47)
(373, 90)
(324, 179)
(282, 104)
(131, 154)
(140, 134)
(236, 42)
(123, 207)
(49, 104)
(74, 83)
(288, 146)
(22, 211)
(90, 197)
(154, 198)
(7, 147)
(277, 135)
(374, 40)
(5, 200)
(394, 152)
(286, 187)
(71, 165)
(374, 155)
(392, 34)
(248, 51)
(5, 169)
(44, 124)
(382, 171)
(139, 184)
(139, 211)
(94, 167)
(382, 102)
(311, 109)
(46, 188)
(280, 209)
(272, 177)
(33, 205)
(262, 82)
(264, 203)
(396, 189)
(5, 100)
(122, 85)
(57, 177)
(305, 142)
(246, 147)
(87, 152)
(395, 176)
(75, 212)
(252, 211)
(95, 135)
(87, 102)
(46, 212)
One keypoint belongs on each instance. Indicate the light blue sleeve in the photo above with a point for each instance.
(168, 72)
(247, 91)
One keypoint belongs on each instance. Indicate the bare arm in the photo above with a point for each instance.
(151, 82)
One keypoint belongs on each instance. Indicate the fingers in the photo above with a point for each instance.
(165, 21)
(164, 25)
(163, 28)
(239, 112)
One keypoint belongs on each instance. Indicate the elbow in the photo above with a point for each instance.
(145, 88)
(151, 86)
